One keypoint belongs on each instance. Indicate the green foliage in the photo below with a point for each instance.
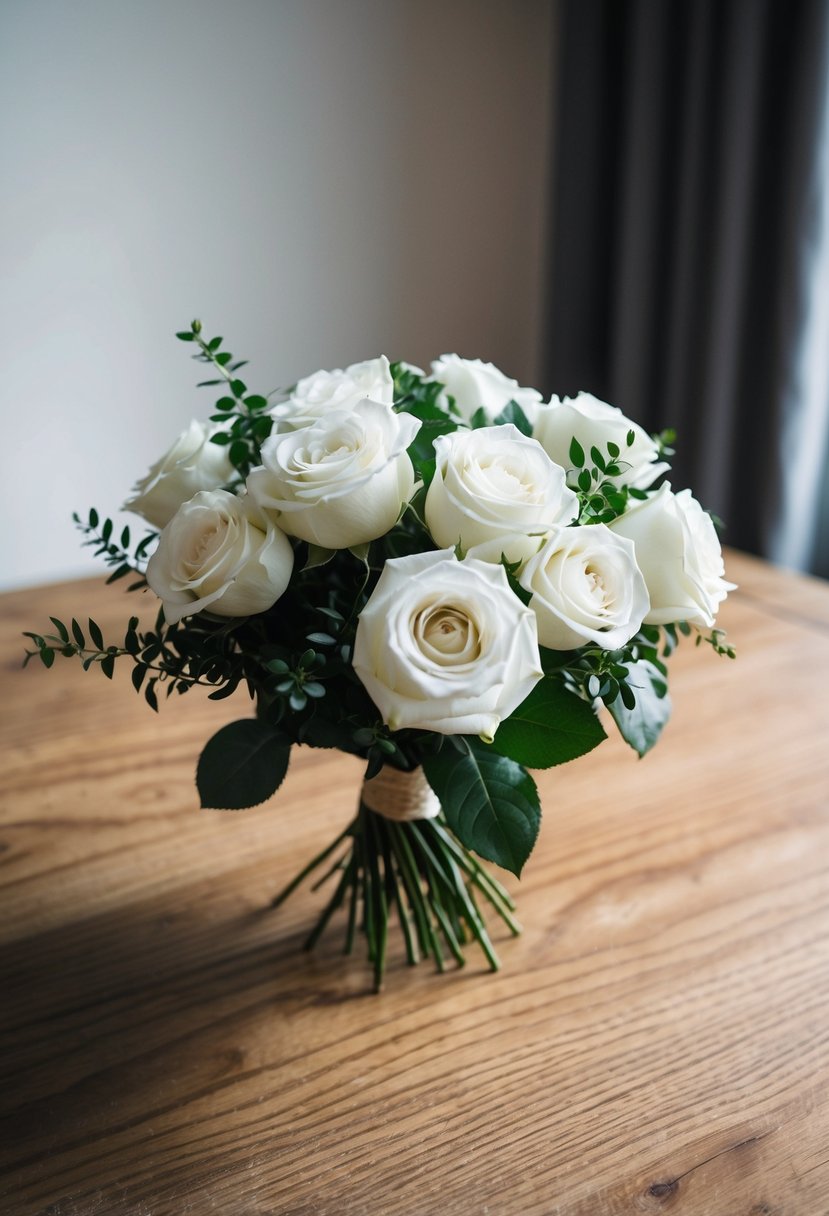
(550, 727)
(513, 413)
(242, 765)
(641, 723)
(241, 414)
(415, 395)
(490, 802)
(116, 556)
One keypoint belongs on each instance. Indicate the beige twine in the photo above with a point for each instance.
(400, 796)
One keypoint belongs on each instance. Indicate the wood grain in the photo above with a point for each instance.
(657, 1040)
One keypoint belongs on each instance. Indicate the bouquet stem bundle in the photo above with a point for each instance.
(415, 871)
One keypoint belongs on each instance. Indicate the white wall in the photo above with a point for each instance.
(319, 180)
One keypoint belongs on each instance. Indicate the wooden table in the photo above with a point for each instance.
(657, 1041)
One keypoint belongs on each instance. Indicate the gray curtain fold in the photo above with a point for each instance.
(687, 136)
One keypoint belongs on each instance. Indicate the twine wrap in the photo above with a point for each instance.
(400, 796)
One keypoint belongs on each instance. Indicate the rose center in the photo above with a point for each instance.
(447, 635)
(507, 482)
(205, 545)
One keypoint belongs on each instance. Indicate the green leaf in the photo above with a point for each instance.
(550, 727)
(238, 452)
(576, 454)
(242, 765)
(490, 802)
(642, 725)
(238, 388)
(185, 336)
(513, 413)
(47, 656)
(77, 634)
(96, 635)
(63, 633)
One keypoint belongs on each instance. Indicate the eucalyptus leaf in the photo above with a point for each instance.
(642, 725)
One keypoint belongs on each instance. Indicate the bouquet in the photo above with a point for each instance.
(440, 573)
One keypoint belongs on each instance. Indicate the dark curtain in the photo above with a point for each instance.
(686, 137)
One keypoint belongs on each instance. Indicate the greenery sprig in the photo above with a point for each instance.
(245, 424)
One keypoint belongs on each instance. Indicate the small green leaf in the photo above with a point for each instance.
(63, 632)
(576, 454)
(185, 336)
(238, 388)
(96, 635)
(226, 403)
(242, 765)
(239, 452)
(108, 666)
(77, 634)
(47, 656)
(642, 724)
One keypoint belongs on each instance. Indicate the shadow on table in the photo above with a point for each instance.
(111, 1021)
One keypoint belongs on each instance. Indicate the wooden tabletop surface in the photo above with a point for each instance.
(657, 1040)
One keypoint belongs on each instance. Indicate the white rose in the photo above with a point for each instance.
(317, 395)
(586, 587)
(495, 491)
(219, 552)
(193, 463)
(595, 424)
(445, 645)
(475, 385)
(342, 480)
(678, 552)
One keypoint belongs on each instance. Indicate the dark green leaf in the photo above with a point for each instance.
(576, 454)
(490, 802)
(137, 676)
(77, 634)
(185, 336)
(550, 727)
(239, 452)
(96, 635)
(63, 632)
(226, 403)
(47, 656)
(108, 666)
(214, 344)
(242, 765)
(255, 402)
(513, 413)
(238, 388)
